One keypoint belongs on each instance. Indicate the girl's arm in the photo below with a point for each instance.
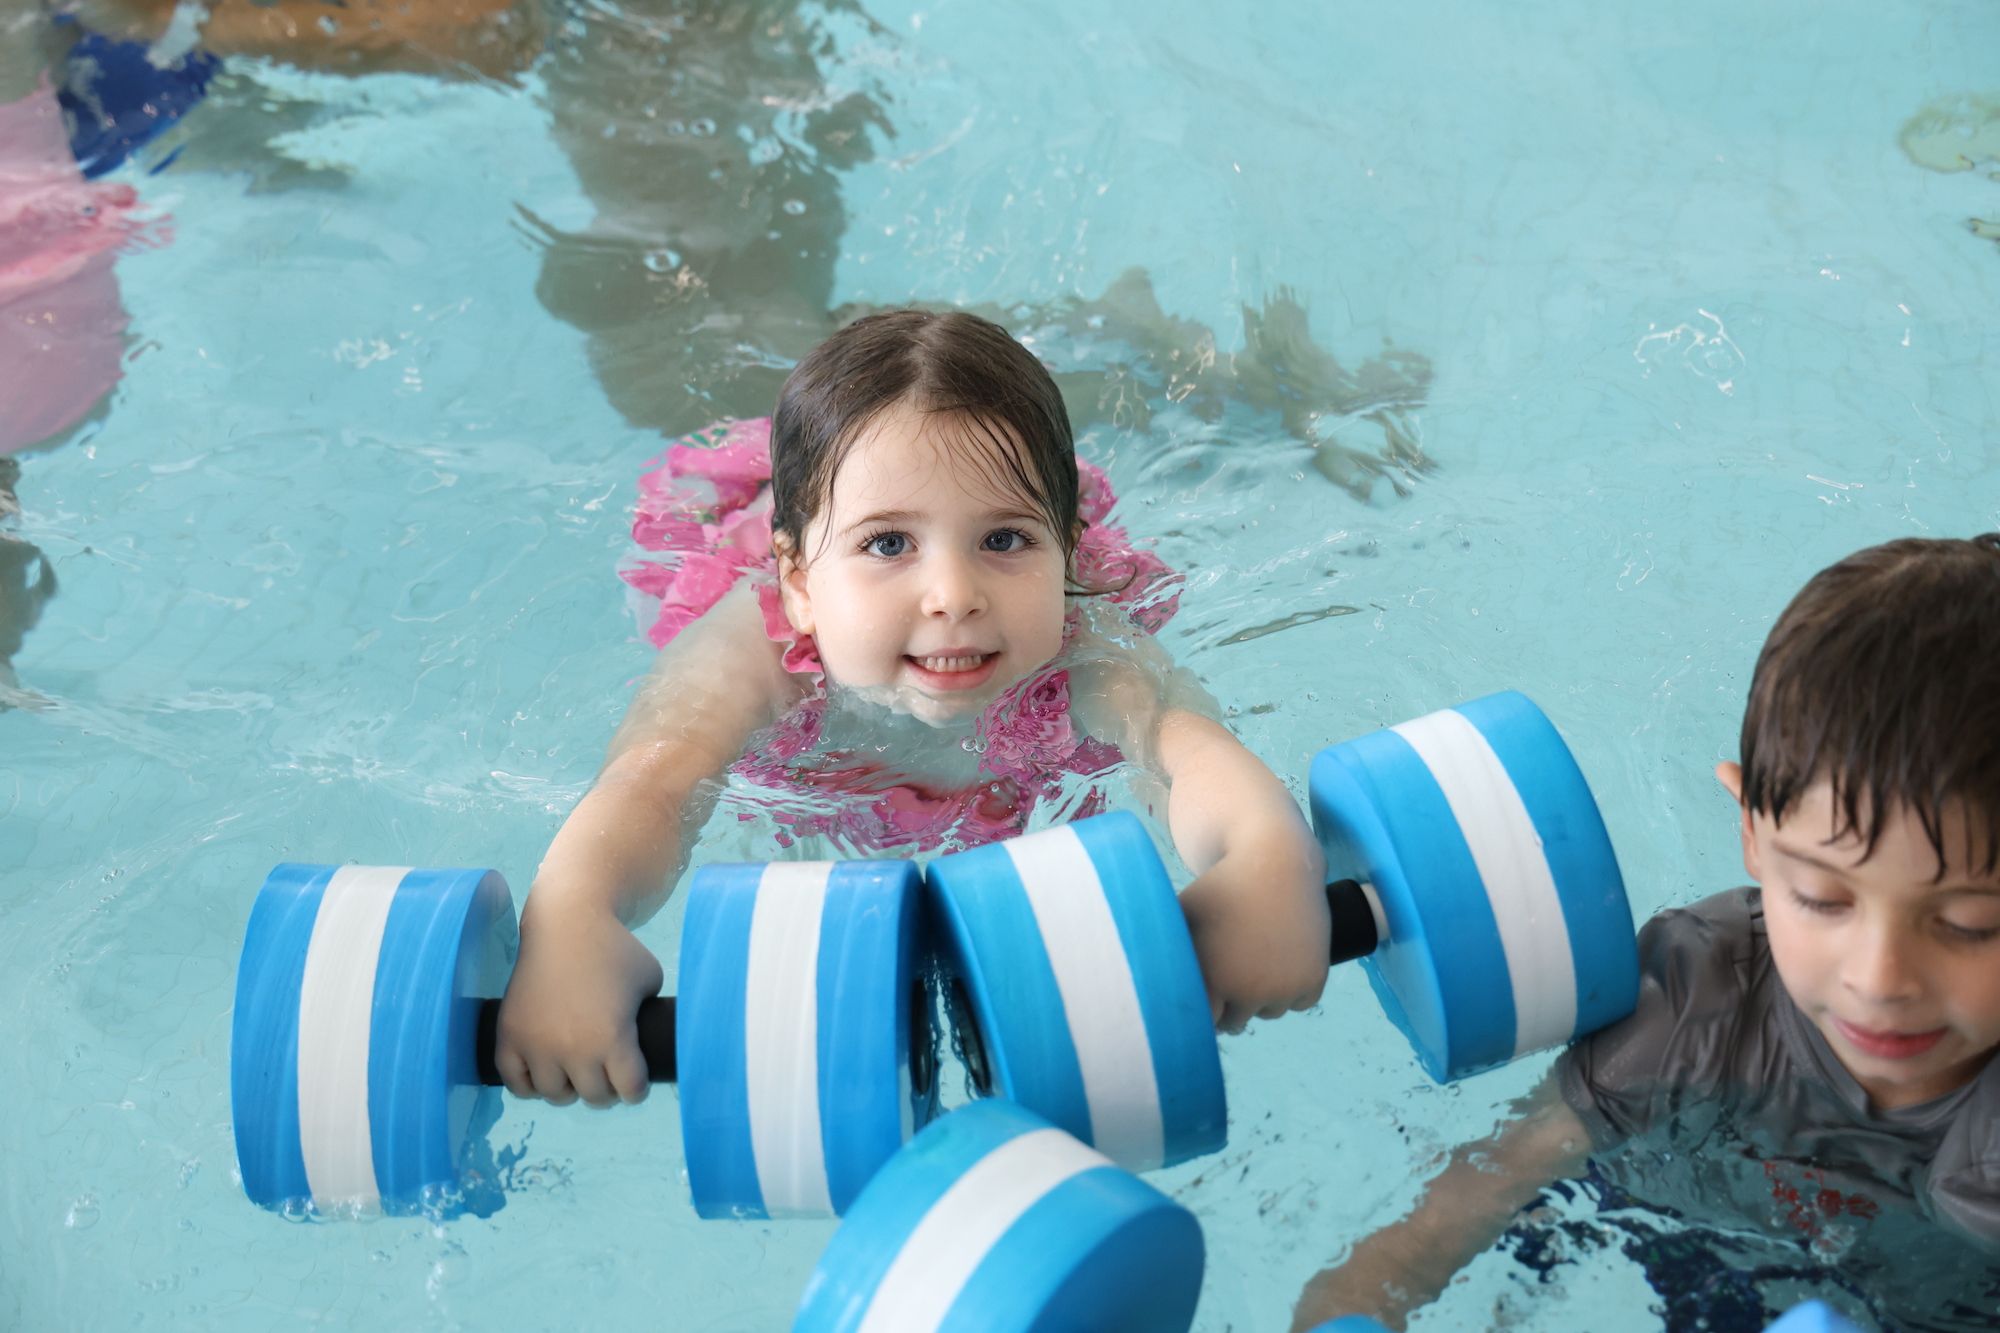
(566, 1023)
(1463, 1210)
(1257, 906)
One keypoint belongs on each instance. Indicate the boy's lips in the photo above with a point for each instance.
(1888, 1045)
(956, 669)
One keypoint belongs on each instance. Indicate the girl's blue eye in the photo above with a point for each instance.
(1007, 540)
(887, 545)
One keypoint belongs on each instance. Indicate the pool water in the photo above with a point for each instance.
(1679, 313)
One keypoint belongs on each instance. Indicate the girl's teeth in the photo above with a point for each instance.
(947, 665)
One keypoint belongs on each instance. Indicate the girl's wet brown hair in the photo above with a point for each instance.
(1883, 678)
(966, 372)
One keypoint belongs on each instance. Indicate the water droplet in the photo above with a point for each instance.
(83, 1213)
(663, 261)
(973, 745)
(795, 206)
(704, 127)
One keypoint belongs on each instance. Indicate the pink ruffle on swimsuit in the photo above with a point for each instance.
(704, 521)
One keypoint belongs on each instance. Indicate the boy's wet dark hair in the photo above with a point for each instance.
(966, 371)
(1883, 677)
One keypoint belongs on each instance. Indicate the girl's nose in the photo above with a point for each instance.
(953, 589)
(1879, 966)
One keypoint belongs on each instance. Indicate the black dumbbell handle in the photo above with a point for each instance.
(1353, 921)
(656, 1039)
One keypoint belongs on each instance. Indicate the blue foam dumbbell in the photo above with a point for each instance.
(362, 1042)
(1483, 891)
(1484, 896)
(1076, 991)
(993, 1219)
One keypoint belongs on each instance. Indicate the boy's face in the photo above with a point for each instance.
(926, 585)
(1898, 968)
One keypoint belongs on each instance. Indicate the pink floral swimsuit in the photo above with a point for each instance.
(704, 521)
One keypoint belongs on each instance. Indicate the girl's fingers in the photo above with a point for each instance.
(593, 1085)
(513, 1072)
(626, 1071)
(551, 1083)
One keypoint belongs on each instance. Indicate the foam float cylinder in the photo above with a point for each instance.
(992, 1219)
(1508, 928)
(1087, 1002)
(352, 1078)
(802, 1032)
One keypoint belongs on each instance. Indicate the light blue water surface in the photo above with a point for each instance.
(336, 570)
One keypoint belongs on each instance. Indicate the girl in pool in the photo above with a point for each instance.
(925, 581)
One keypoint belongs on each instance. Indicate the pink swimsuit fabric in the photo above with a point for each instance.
(704, 521)
(62, 328)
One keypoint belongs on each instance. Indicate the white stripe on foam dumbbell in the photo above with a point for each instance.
(1086, 1003)
(363, 1032)
(993, 1219)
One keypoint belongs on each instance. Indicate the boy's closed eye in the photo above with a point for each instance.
(1972, 916)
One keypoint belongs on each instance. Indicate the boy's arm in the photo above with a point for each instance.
(490, 37)
(1257, 906)
(1463, 1210)
(566, 1026)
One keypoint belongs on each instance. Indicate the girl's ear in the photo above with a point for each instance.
(792, 583)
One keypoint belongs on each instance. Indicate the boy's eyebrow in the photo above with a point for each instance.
(1974, 890)
(1798, 854)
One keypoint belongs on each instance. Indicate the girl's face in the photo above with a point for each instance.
(1898, 968)
(927, 582)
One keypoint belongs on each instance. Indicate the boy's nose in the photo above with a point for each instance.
(953, 589)
(1879, 968)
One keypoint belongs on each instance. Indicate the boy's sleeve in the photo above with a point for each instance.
(1676, 1047)
(1970, 1202)
(1964, 1186)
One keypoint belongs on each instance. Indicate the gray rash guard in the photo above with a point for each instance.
(1715, 1027)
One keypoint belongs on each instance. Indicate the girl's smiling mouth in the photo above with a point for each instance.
(952, 670)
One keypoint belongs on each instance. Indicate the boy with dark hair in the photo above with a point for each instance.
(1846, 1009)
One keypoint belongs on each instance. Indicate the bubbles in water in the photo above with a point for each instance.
(973, 744)
(448, 1270)
(83, 1213)
(795, 206)
(664, 260)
